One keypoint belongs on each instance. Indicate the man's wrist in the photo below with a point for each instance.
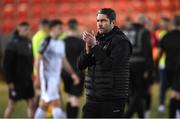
(94, 44)
(72, 74)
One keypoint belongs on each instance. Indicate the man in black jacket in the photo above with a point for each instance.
(141, 64)
(170, 45)
(18, 67)
(106, 58)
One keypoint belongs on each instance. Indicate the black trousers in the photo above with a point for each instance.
(136, 104)
(93, 109)
(138, 90)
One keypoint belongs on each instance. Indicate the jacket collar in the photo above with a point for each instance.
(108, 35)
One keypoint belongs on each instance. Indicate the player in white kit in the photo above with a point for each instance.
(52, 59)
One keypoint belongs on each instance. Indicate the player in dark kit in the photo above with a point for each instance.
(106, 60)
(170, 45)
(73, 46)
(18, 67)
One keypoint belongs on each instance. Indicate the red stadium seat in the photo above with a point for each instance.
(23, 11)
(76, 1)
(122, 5)
(82, 20)
(52, 1)
(63, 1)
(91, 21)
(137, 6)
(176, 4)
(107, 4)
(93, 8)
(152, 5)
(64, 10)
(7, 26)
(23, 1)
(120, 18)
(37, 11)
(166, 5)
(8, 1)
(34, 24)
(8, 11)
(34, 2)
(51, 10)
(79, 8)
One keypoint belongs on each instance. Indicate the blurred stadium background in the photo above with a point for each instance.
(15, 11)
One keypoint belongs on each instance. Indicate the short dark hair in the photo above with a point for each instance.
(72, 23)
(109, 12)
(176, 21)
(24, 23)
(44, 22)
(21, 24)
(166, 19)
(54, 23)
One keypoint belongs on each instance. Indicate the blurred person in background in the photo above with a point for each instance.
(106, 61)
(0, 59)
(164, 83)
(40, 36)
(36, 43)
(170, 45)
(18, 67)
(73, 46)
(141, 63)
(73, 29)
(51, 60)
(127, 23)
(152, 72)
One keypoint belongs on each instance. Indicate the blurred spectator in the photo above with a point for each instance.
(51, 60)
(141, 64)
(36, 42)
(0, 58)
(164, 83)
(170, 45)
(127, 23)
(73, 28)
(152, 72)
(38, 39)
(18, 66)
(73, 46)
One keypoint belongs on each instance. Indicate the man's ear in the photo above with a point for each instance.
(113, 22)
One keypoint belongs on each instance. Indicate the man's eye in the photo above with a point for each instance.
(104, 20)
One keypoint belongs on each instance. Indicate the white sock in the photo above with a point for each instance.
(58, 113)
(39, 113)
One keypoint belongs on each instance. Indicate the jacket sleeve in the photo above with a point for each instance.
(120, 53)
(85, 60)
(147, 49)
(9, 62)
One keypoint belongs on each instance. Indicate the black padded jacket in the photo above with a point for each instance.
(107, 67)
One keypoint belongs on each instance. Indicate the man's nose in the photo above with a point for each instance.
(99, 24)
